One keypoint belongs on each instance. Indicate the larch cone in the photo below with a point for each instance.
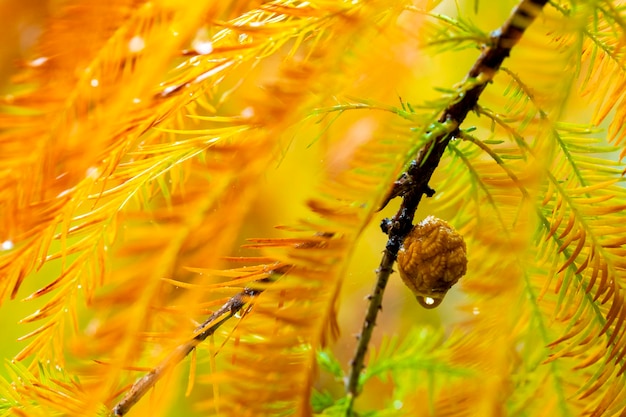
(431, 260)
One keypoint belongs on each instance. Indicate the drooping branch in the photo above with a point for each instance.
(413, 184)
(233, 306)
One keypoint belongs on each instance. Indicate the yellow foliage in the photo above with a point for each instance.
(146, 145)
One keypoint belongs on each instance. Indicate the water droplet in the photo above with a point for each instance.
(242, 37)
(475, 311)
(65, 192)
(136, 100)
(202, 47)
(136, 44)
(247, 113)
(94, 82)
(255, 24)
(80, 287)
(38, 61)
(397, 404)
(93, 173)
(169, 89)
(6, 245)
(202, 42)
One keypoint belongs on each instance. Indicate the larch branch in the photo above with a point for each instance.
(413, 184)
(210, 325)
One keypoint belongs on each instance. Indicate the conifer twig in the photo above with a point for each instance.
(413, 184)
(210, 325)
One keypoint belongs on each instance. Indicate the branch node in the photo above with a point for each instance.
(385, 225)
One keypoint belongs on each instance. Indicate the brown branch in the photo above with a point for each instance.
(413, 184)
(210, 325)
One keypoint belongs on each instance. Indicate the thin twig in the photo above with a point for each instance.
(413, 184)
(210, 325)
